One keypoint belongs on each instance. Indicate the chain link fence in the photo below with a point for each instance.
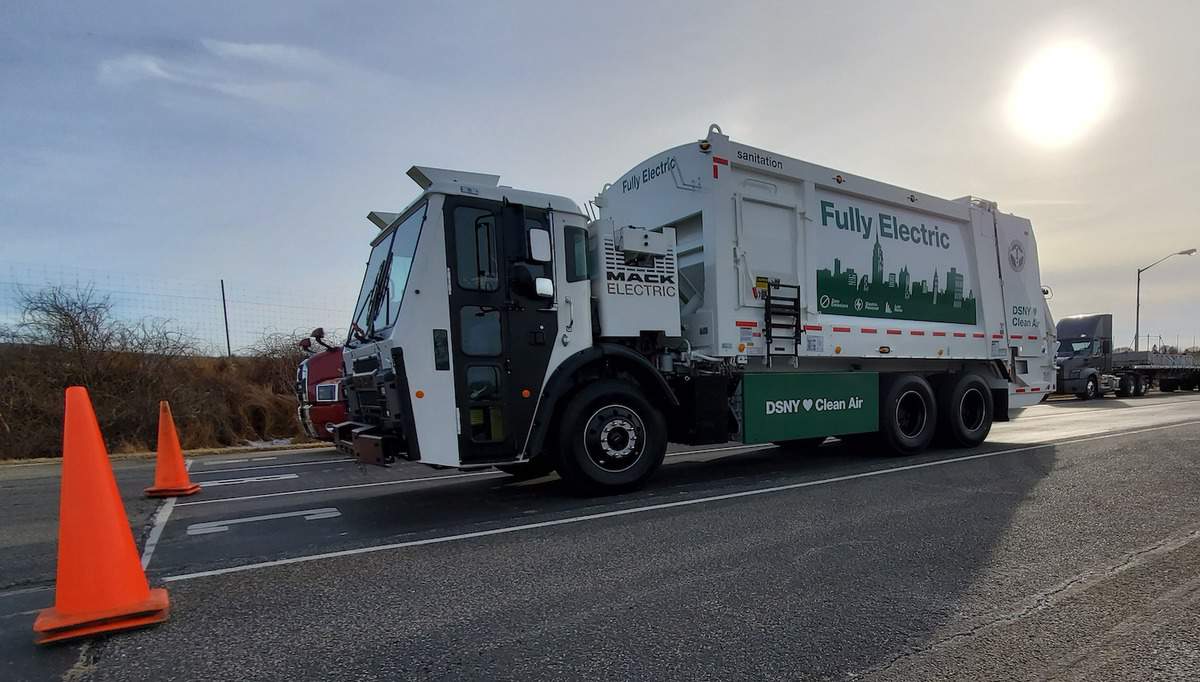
(221, 317)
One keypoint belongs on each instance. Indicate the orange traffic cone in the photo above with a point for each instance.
(170, 475)
(101, 586)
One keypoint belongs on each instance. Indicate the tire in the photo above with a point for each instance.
(907, 415)
(1139, 385)
(524, 471)
(1124, 387)
(1167, 385)
(1091, 390)
(611, 438)
(965, 406)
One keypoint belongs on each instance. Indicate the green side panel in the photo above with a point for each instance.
(783, 406)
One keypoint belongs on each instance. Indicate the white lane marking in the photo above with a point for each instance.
(280, 466)
(341, 487)
(238, 461)
(160, 522)
(655, 507)
(249, 479)
(25, 590)
(222, 526)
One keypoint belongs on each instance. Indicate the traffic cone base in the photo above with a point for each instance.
(53, 626)
(155, 491)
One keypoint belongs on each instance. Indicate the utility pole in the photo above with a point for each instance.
(225, 312)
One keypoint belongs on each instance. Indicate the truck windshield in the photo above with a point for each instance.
(1074, 347)
(386, 276)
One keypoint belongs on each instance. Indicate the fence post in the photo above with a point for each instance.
(225, 312)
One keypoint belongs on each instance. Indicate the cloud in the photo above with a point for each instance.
(265, 73)
(291, 57)
(132, 68)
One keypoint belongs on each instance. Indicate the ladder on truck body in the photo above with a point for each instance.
(781, 301)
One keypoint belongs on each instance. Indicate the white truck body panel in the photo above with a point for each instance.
(933, 278)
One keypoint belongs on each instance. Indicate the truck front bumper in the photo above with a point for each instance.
(380, 427)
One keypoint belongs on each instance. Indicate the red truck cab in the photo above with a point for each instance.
(319, 389)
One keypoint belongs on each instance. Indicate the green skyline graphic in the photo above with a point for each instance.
(896, 295)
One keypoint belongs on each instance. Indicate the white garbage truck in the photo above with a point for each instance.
(715, 292)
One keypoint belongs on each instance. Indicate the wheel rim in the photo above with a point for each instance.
(911, 414)
(972, 411)
(614, 438)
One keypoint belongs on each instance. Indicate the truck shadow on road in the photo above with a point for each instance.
(872, 566)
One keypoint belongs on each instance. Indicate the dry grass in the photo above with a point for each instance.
(68, 338)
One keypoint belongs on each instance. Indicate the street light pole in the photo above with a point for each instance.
(1137, 315)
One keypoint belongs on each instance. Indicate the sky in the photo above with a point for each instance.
(248, 140)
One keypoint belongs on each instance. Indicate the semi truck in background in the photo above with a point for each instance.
(718, 292)
(1089, 368)
(319, 388)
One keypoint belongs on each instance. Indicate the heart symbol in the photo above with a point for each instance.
(807, 404)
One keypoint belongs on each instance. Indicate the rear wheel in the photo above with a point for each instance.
(1125, 387)
(965, 405)
(611, 438)
(1140, 384)
(1167, 385)
(908, 414)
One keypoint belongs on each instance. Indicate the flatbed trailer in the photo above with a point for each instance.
(1088, 368)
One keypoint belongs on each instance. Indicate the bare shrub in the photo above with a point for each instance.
(66, 337)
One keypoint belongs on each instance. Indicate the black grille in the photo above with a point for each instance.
(368, 363)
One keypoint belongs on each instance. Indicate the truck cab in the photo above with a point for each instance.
(319, 389)
(469, 295)
(1084, 355)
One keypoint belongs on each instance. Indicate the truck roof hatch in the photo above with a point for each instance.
(426, 176)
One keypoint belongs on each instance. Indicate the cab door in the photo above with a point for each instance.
(503, 329)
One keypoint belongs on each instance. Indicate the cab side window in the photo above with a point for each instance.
(475, 243)
(576, 253)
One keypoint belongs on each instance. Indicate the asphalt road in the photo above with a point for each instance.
(1066, 547)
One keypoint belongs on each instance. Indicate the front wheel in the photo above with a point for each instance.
(611, 438)
(1091, 390)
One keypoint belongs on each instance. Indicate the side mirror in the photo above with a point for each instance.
(306, 345)
(539, 246)
(318, 333)
(543, 287)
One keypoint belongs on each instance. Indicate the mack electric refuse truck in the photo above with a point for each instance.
(718, 292)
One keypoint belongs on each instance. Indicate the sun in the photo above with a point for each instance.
(1060, 94)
